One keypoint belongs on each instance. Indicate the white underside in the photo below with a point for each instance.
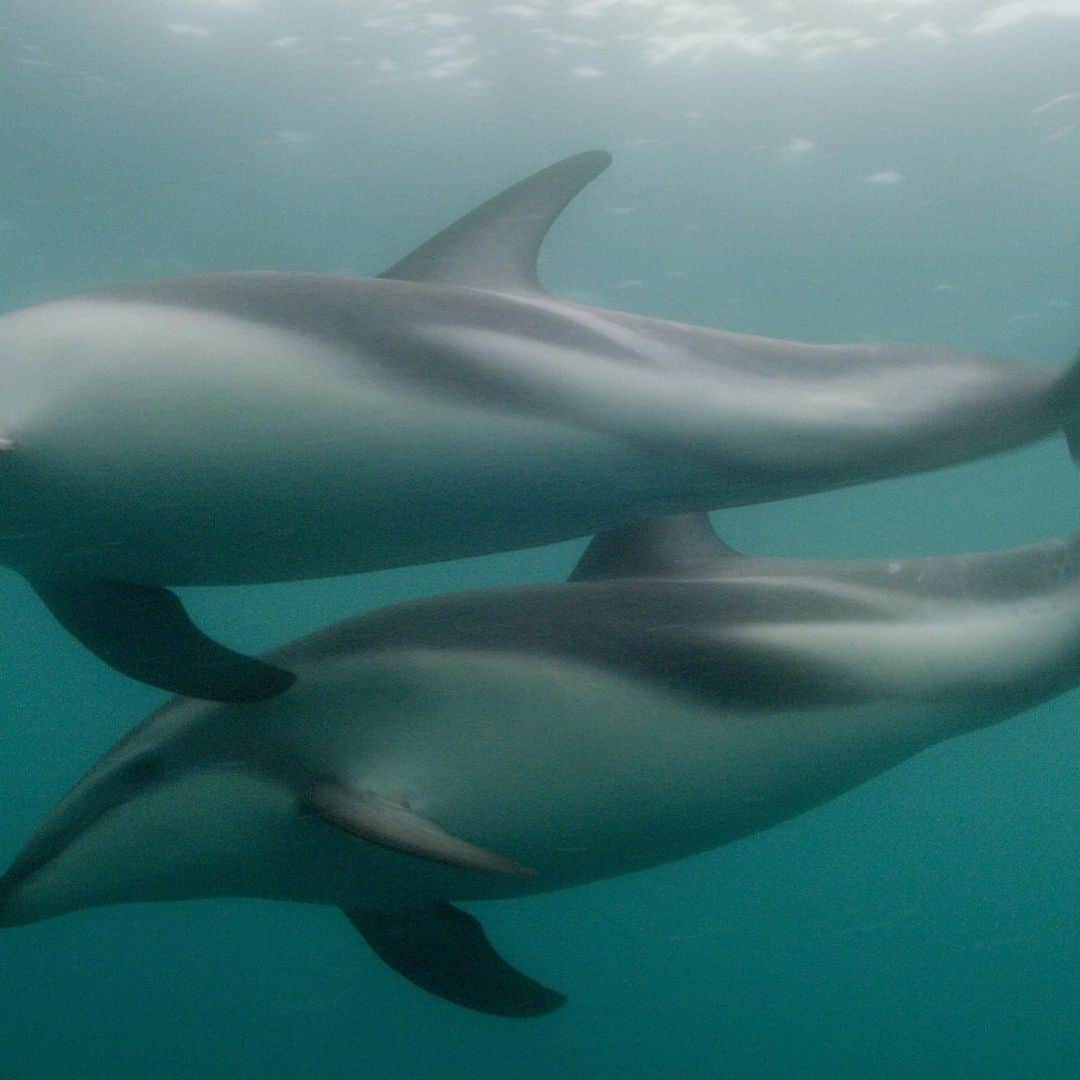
(178, 446)
(166, 445)
(575, 772)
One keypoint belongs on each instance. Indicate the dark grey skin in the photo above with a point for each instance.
(673, 697)
(251, 427)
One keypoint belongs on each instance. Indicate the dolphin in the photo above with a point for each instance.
(240, 428)
(673, 697)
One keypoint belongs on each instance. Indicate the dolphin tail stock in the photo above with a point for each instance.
(1070, 407)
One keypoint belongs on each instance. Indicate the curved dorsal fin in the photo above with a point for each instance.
(681, 545)
(497, 244)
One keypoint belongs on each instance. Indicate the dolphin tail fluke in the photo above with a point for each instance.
(1070, 400)
(445, 951)
(144, 631)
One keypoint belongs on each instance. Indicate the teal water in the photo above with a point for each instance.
(810, 169)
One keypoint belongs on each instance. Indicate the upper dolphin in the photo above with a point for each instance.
(673, 697)
(250, 427)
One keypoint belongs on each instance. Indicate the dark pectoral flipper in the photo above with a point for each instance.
(445, 951)
(144, 631)
(391, 825)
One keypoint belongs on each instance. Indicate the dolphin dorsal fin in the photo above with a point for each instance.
(680, 545)
(496, 245)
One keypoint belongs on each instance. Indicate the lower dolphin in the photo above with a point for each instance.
(251, 427)
(673, 697)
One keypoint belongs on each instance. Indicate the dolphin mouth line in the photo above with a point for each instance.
(42, 855)
(30, 863)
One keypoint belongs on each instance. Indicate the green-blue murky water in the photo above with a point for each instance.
(897, 169)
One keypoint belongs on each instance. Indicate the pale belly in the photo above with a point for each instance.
(225, 452)
(574, 772)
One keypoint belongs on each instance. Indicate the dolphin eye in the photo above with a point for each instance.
(142, 771)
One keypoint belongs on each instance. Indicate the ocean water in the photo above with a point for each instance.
(828, 170)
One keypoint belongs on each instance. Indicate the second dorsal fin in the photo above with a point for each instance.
(496, 245)
(680, 545)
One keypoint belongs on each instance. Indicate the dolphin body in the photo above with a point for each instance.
(673, 697)
(251, 427)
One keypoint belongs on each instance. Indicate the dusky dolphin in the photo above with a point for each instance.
(251, 427)
(674, 697)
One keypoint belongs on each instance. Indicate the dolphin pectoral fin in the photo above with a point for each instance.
(144, 631)
(445, 951)
(496, 245)
(379, 821)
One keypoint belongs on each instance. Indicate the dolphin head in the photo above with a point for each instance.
(42, 880)
(144, 825)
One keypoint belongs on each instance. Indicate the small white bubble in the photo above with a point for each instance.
(521, 11)
(885, 178)
(187, 30)
(798, 147)
(444, 18)
(929, 31)
(293, 137)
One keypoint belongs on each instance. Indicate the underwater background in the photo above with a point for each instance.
(829, 170)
